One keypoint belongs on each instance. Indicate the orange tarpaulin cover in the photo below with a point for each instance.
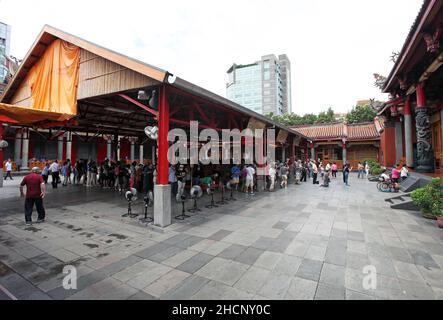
(53, 81)
(28, 116)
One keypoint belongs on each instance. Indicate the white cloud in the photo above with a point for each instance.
(334, 46)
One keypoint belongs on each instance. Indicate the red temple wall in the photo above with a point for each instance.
(387, 147)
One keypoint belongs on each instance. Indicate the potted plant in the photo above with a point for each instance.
(421, 198)
(430, 199)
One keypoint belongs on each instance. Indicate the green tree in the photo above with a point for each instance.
(293, 119)
(326, 116)
(360, 114)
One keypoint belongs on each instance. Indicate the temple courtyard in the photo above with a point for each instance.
(305, 242)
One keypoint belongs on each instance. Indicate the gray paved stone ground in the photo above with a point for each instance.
(306, 242)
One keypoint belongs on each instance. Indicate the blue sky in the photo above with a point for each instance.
(334, 46)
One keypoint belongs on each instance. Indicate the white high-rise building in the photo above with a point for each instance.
(5, 42)
(263, 86)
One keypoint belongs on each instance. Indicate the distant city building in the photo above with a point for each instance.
(5, 61)
(263, 86)
(362, 103)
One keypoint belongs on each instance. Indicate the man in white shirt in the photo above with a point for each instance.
(54, 169)
(8, 166)
(250, 171)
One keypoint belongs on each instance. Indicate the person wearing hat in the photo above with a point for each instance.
(35, 192)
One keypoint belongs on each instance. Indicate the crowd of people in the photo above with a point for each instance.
(121, 176)
(117, 175)
(245, 178)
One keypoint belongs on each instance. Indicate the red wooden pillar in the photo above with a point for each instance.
(421, 98)
(162, 142)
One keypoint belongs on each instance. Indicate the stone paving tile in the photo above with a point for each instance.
(263, 243)
(120, 265)
(268, 260)
(97, 290)
(140, 295)
(195, 263)
(297, 248)
(316, 253)
(329, 292)
(333, 275)
(281, 225)
(352, 295)
(384, 266)
(280, 245)
(438, 259)
(134, 270)
(213, 268)
(287, 265)
(220, 235)
(232, 252)
(214, 290)
(275, 286)
(19, 287)
(438, 293)
(83, 282)
(423, 259)
(148, 252)
(176, 239)
(166, 282)
(189, 242)
(356, 260)
(296, 240)
(64, 255)
(249, 256)
(252, 280)
(165, 254)
(408, 271)
(336, 255)
(186, 289)
(231, 273)
(148, 276)
(388, 288)
(202, 245)
(216, 248)
(356, 247)
(310, 269)
(179, 258)
(301, 289)
(46, 261)
(400, 254)
(434, 277)
(416, 290)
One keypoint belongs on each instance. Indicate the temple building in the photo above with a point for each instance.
(412, 118)
(340, 142)
(73, 99)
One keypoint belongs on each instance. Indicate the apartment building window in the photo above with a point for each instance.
(267, 75)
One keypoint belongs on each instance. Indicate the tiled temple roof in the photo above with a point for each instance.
(334, 131)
